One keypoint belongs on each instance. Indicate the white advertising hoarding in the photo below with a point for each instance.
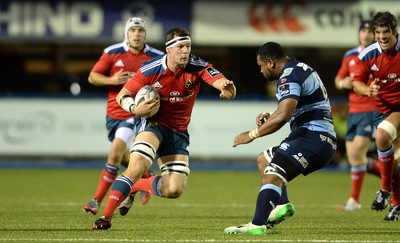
(294, 23)
(67, 127)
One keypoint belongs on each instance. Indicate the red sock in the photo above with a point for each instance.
(386, 163)
(373, 167)
(396, 188)
(114, 200)
(144, 185)
(105, 182)
(357, 179)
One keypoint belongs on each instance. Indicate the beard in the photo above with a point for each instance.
(271, 78)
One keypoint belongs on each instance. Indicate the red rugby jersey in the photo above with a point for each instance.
(178, 91)
(115, 58)
(357, 103)
(385, 69)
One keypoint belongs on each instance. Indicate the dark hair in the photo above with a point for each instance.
(365, 23)
(384, 19)
(175, 32)
(271, 50)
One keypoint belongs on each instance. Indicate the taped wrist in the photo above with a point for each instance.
(127, 103)
(253, 134)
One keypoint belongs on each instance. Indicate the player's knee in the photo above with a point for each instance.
(115, 157)
(173, 191)
(273, 179)
(383, 139)
(274, 173)
(172, 187)
(262, 162)
(174, 175)
(356, 158)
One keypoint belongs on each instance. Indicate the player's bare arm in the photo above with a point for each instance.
(362, 89)
(227, 88)
(118, 78)
(274, 122)
(261, 118)
(343, 83)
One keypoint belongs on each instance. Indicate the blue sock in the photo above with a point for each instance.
(267, 200)
(284, 197)
(113, 170)
(156, 186)
(122, 184)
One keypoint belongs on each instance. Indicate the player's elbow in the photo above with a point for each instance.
(91, 80)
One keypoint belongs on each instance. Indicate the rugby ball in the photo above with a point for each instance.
(147, 92)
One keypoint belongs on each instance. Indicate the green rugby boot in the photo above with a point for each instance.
(279, 214)
(249, 229)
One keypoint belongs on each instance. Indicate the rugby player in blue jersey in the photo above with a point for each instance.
(303, 102)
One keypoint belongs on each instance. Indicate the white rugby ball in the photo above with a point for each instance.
(147, 92)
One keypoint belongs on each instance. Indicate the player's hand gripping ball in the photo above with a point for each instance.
(147, 92)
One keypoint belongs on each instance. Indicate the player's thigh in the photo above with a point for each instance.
(117, 152)
(388, 127)
(394, 118)
(357, 149)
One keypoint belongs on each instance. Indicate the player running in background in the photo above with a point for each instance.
(303, 102)
(177, 76)
(360, 126)
(382, 61)
(119, 63)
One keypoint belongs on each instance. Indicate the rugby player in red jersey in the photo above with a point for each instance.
(360, 126)
(118, 63)
(177, 76)
(382, 61)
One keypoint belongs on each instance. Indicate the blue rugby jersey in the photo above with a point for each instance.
(299, 81)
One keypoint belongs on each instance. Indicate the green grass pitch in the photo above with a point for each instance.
(46, 205)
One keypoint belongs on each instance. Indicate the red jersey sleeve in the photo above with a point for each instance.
(135, 83)
(361, 72)
(210, 74)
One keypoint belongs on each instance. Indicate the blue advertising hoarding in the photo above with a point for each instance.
(88, 20)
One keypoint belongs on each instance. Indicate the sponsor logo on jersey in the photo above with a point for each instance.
(176, 98)
(386, 80)
(190, 83)
(119, 63)
(157, 85)
(374, 68)
(212, 71)
(174, 93)
(286, 72)
(284, 89)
